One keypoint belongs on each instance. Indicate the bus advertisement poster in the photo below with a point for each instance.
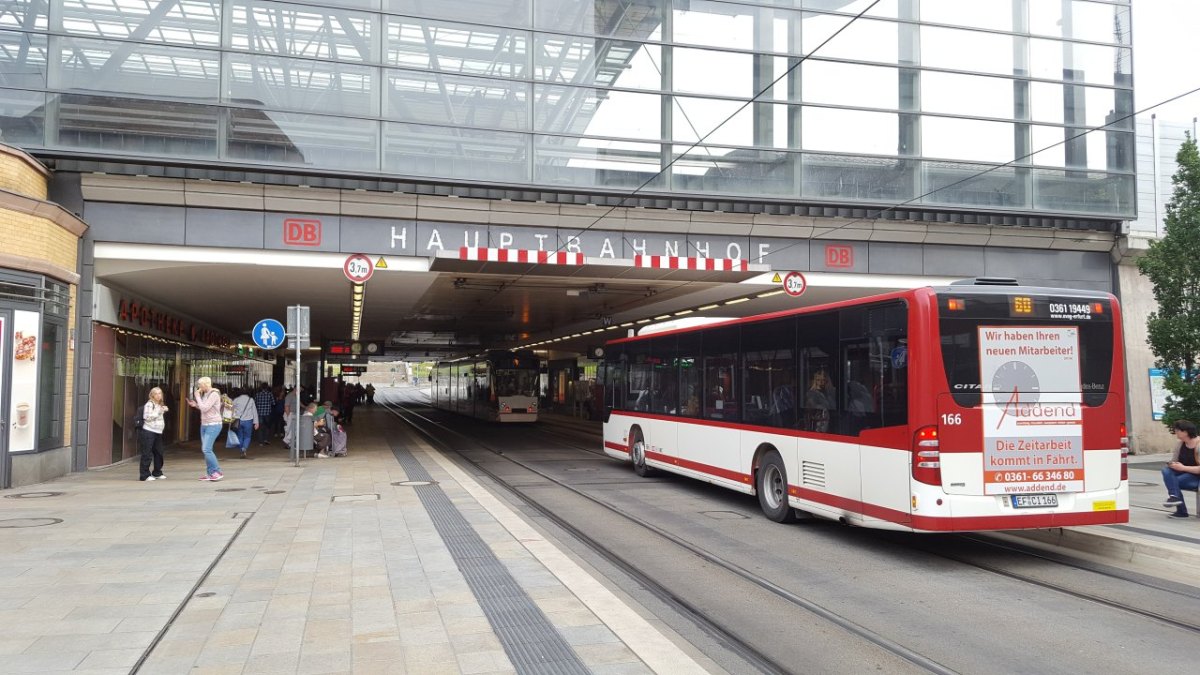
(1032, 409)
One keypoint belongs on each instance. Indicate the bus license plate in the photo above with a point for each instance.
(1034, 501)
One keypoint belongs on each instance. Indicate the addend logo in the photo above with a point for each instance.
(301, 232)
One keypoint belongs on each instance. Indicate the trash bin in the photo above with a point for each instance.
(304, 443)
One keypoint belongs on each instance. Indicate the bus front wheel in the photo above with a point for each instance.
(773, 489)
(637, 453)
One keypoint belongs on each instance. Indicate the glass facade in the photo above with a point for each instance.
(916, 96)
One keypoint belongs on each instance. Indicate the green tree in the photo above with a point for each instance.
(1173, 266)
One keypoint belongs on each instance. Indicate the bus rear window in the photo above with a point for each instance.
(961, 317)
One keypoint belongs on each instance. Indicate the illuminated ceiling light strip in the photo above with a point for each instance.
(684, 312)
(767, 295)
(640, 321)
(626, 324)
(708, 307)
(736, 301)
(661, 317)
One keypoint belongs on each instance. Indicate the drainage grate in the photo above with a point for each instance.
(528, 637)
(355, 498)
(28, 522)
(32, 495)
(414, 483)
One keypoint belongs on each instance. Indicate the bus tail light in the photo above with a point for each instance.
(927, 465)
(1124, 452)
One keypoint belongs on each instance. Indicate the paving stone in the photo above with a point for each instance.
(588, 635)
(313, 664)
(41, 662)
(472, 663)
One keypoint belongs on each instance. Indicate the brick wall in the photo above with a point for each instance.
(22, 174)
(41, 238)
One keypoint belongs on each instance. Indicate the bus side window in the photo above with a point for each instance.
(720, 353)
(664, 376)
(769, 372)
(691, 379)
(817, 336)
(874, 364)
(638, 392)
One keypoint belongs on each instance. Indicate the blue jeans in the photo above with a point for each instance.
(1176, 482)
(245, 433)
(208, 436)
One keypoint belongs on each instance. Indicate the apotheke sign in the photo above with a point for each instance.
(124, 309)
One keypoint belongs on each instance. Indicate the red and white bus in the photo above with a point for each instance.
(981, 405)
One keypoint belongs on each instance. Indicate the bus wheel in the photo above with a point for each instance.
(772, 489)
(637, 453)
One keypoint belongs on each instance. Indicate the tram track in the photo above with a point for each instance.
(729, 637)
(1175, 622)
(1062, 561)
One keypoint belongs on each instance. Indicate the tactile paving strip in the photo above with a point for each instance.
(528, 638)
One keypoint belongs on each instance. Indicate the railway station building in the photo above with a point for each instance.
(546, 174)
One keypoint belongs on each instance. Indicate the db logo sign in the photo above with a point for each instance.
(837, 255)
(301, 232)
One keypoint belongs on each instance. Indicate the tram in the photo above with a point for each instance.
(981, 405)
(500, 386)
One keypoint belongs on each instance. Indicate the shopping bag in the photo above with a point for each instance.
(232, 440)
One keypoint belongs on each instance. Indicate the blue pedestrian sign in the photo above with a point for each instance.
(268, 334)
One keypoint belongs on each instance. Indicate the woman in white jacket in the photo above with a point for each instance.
(150, 435)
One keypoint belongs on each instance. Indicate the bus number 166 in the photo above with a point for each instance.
(951, 419)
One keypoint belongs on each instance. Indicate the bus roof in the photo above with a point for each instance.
(960, 288)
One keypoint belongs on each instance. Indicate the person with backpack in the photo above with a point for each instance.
(149, 420)
(245, 420)
(208, 401)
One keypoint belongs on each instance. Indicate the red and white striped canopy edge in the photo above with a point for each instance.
(518, 255)
(679, 263)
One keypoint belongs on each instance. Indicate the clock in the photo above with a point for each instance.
(356, 348)
(372, 347)
(1017, 376)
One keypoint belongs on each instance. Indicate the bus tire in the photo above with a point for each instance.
(637, 454)
(772, 488)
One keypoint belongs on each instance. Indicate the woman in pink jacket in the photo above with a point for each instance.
(208, 401)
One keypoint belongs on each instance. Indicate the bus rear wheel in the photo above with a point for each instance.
(773, 489)
(637, 453)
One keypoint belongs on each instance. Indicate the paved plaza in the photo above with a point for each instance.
(326, 568)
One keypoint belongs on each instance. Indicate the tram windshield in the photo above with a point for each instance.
(516, 382)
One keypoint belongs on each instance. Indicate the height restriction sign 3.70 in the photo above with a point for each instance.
(358, 268)
(794, 284)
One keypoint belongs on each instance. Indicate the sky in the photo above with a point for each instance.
(1164, 40)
